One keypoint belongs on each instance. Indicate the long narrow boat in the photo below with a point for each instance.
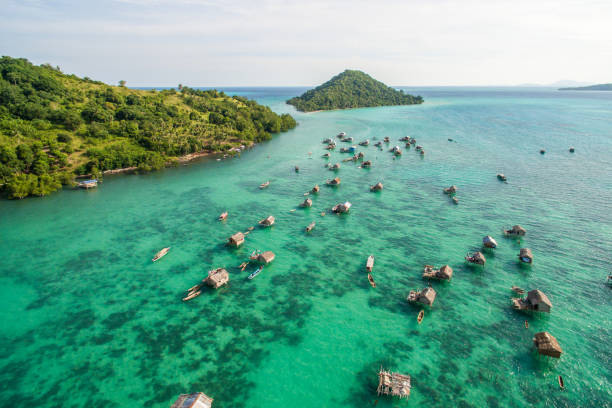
(254, 274)
(264, 185)
(310, 226)
(526, 324)
(194, 288)
(370, 263)
(223, 216)
(160, 254)
(192, 295)
(420, 316)
(561, 383)
(371, 279)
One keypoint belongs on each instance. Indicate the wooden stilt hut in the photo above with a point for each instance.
(267, 222)
(476, 258)
(450, 190)
(196, 400)
(217, 278)
(334, 182)
(307, 203)
(516, 230)
(547, 345)
(525, 255)
(266, 257)
(444, 273)
(315, 189)
(535, 301)
(342, 208)
(489, 242)
(236, 240)
(426, 296)
(366, 163)
(377, 187)
(394, 384)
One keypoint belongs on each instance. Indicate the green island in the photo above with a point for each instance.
(351, 89)
(598, 87)
(54, 127)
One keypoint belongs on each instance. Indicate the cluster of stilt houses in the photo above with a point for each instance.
(390, 383)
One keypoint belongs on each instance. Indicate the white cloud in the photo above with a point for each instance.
(278, 42)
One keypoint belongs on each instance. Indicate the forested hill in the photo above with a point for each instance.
(351, 89)
(55, 126)
(598, 87)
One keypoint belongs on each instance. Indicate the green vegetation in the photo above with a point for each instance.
(55, 126)
(351, 89)
(598, 87)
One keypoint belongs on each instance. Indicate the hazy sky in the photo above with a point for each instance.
(275, 42)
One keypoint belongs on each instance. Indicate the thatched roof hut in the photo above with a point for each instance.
(535, 301)
(216, 278)
(450, 190)
(525, 255)
(376, 187)
(267, 222)
(307, 203)
(489, 242)
(426, 296)
(196, 400)
(444, 273)
(476, 258)
(236, 240)
(516, 230)
(394, 384)
(547, 345)
(342, 207)
(334, 182)
(266, 257)
(315, 189)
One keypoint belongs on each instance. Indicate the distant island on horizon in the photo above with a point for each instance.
(597, 87)
(351, 89)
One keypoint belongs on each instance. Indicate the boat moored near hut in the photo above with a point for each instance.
(307, 203)
(236, 240)
(217, 278)
(426, 296)
(476, 258)
(377, 187)
(394, 384)
(525, 255)
(342, 208)
(536, 301)
(489, 242)
(87, 184)
(267, 222)
(547, 345)
(444, 273)
(196, 400)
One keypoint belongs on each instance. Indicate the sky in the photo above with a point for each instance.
(304, 43)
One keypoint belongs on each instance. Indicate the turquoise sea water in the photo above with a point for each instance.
(88, 320)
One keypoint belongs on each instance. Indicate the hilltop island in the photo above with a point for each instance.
(351, 89)
(598, 87)
(54, 126)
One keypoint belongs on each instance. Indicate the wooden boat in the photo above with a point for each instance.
(518, 290)
(297, 169)
(194, 288)
(364, 143)
(561, 383)
(455, 200)
(254, 274)
(310, 226)
(223, 216)
(192, 295)
(160, 254)
(526, 324)
(264, 185)
(370, 263)
(420, 316)
(371, 279)
(254, 255)
(502, 177)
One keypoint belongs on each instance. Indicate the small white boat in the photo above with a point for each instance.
(264, 185)
(370, 263)
(160, 254)
(254, 274)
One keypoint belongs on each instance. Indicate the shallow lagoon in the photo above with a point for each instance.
(87, 318)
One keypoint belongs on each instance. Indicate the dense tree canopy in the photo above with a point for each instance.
(55, 126)
(351, 89)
